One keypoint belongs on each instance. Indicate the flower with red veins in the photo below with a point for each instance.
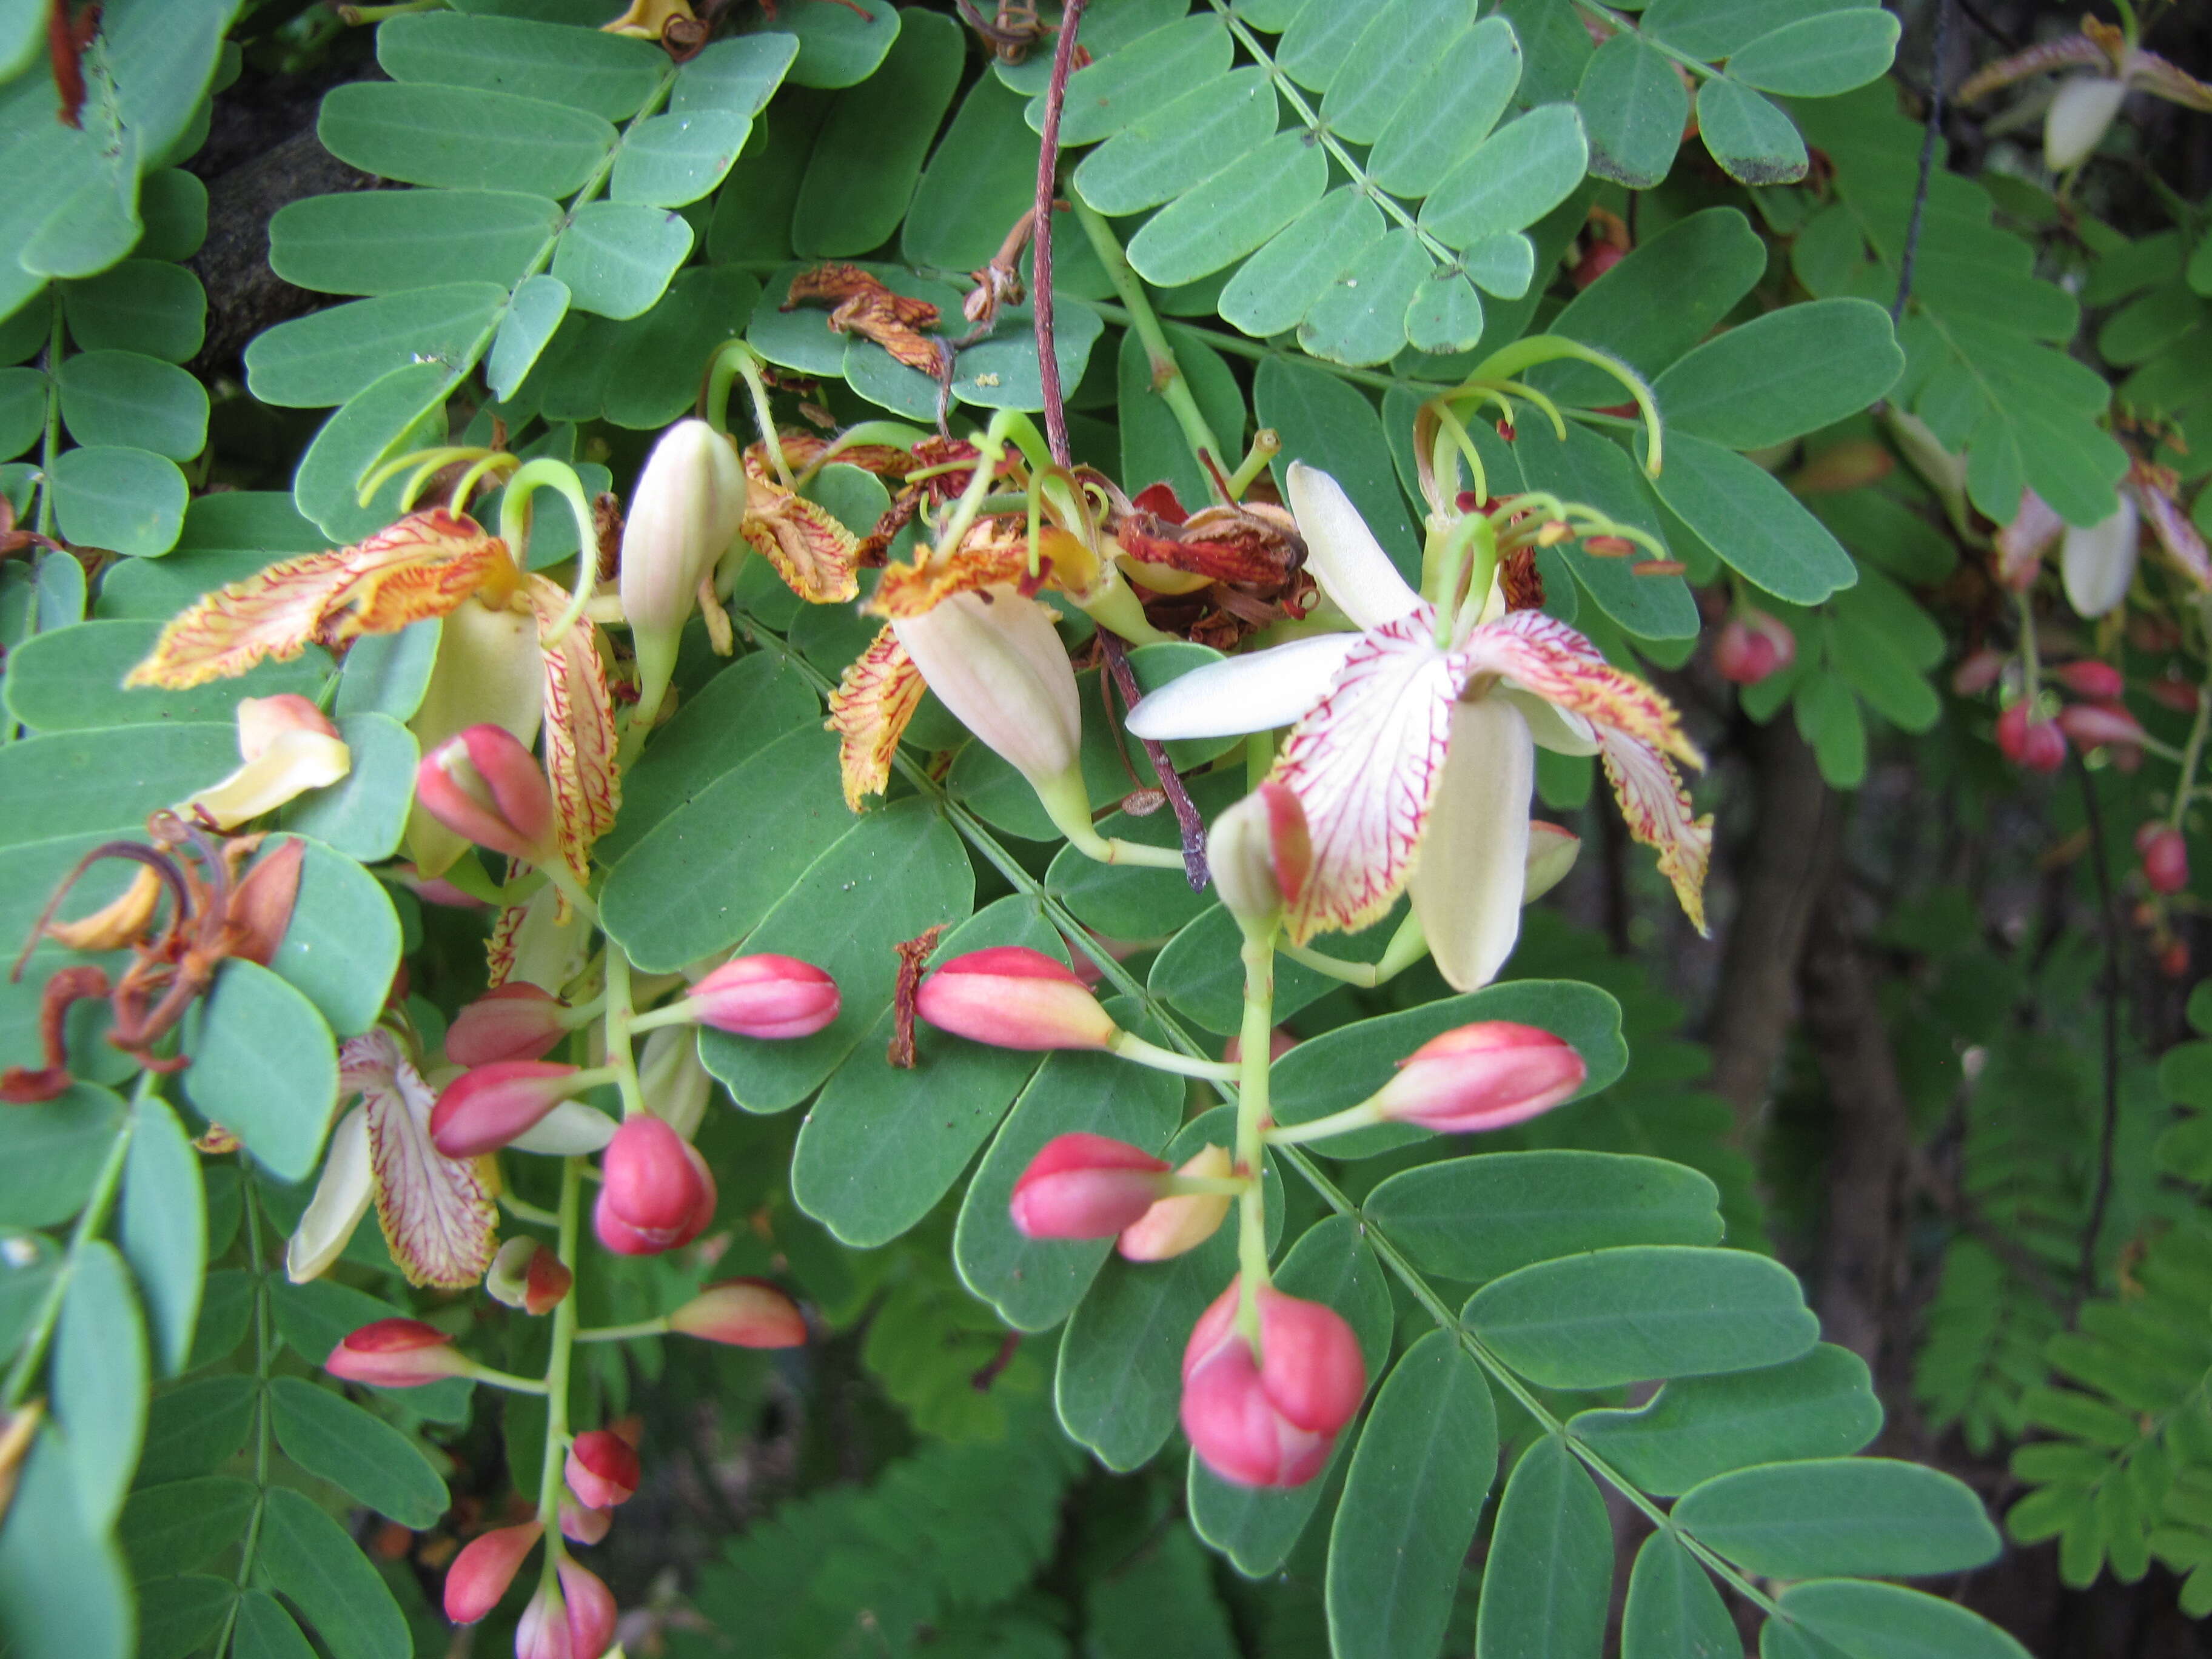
(438, 1213)
(808, 545)
(1265, 1409)
(1415, 758)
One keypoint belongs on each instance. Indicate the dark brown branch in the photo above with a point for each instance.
(2109, 922)
(1063, 60)
(1171, 784)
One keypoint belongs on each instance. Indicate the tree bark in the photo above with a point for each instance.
(1792, 850)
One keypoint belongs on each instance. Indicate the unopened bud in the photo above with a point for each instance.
(517, 1021)
(1261, 852)
(526, 1274)
(767, 997)
(1270, 1419)
(601, 1469)
(2038, 746)
(1482, 1076)
(745, 1313)
(684, 516)
(1085, 1186)
(579, 1624)
(1752, 646)
(1977, 673)
(397, 1353)
(1181, 1223)
(485, 786)
(2098, 562)
(485, 1567)
(2020, 546)
(1013, 997)
(2098, 681)
(658, 1193)
(485, 1108)
(1552, 853)
(579, 1525)
(2100, 724)
(2165, 856)
(2081, 110)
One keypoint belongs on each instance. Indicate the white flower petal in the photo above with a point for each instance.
(1474, 860)
(1342, 552)
(571, 1129)
(1258, 693)
(1363, 765)
(1559, 730)
(1543, 655)
(342, 1198)
(2098, 562)
(437, 1212)
(994, 660)
(677, 1085)
(2081, 110)
(294, 762)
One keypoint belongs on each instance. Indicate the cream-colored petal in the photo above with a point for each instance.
(995, 661)
(488, 670)
(2098, 562)
(2081, 112)
(1559, 730)
(1552, 853)
(1342, 552)
(677, 1085)
(1474, 860)
(532, 943)
(1258, 693)
(342, 1198)
(437, 1213)
(294, 762)
(571, 1129)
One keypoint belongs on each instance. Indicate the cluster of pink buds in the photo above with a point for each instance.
(1753, 645)
(575, 1621)
(658, 1193)
(1266, 1411)
(2030, 734)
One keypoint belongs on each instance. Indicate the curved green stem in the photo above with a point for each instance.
(1531, 349)
(529, 479)
(1168, 381)
(1131, 1047)
(1256, 1046)
(557, 1376)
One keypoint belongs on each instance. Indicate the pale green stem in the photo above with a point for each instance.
(1168, 378)
(558, 874)
(1259, 759)
(1407, 946)
(2031, 658)
(683, 1012)
(1535, 349)
(624, 1333)
(734, 361)
(1129, 1046)
(1361, 1116)
(1067, 804)
(523, 1210)
(2193, 753)
(50, 447)
(529, 479)
(1256, 1050)
(508, 1380)
(1266, 444)
(555, 1385)
(620, 1022)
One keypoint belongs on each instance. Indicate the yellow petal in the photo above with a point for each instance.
(295, 762)
(1659, 814)
(869, 711)
(437, 1215)
(115, 923)
(580, 731)
(813, 552)
(488, 668)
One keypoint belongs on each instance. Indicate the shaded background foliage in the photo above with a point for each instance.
(1890, 1057)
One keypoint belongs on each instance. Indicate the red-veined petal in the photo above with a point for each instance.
(1542, 654)
(1365, 765)
(580, 731)
(869, 711)
(1657, 808)
(436, 1211)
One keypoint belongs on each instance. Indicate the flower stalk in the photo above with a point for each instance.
(1255, 1057)
(550, 1481)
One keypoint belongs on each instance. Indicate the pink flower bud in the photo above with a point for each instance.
(1081, 1186)
(658, 1193)
(524, 1274)
(2088, 678)
(482, 1109)
(2038, 746)
(484, 1568)
(2165, 858)
(2100, 724)
(1482, 1076)
(485, 786)
(745, 1313)
(767, 996)
(581, 1625)
(579, 1525)
(1270, 1420)
(601, 1469)
(1174, 1226)
(1260, 852)
(1013, 997)
(1752, 646)
(397, 1353)
(1978, 672)
(517, 1021)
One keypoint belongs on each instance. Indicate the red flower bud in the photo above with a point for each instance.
(2165, 858)
(1081, 1186)
(482, 1109)
(581, 1625)
(579, 1525)
(767, 996)
(1752, 646)
(517, 1021)
(658, 1193)
(1483, 1076)
(485, 786)
(524, 1274)
(1978, 672)
(1261, 851)
(484, 1568)
(1013, 997)
(1270, 1420)
(601, 1469)
(397, 1353)
(2100, 724)
(2091, 678)
(1601, 257)
(745, 1313)
(2038, 746)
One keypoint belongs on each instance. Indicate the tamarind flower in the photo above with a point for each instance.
(2097, 562)
(2082, 106)
(437, 1212)
(509, 654)
(1413, 746)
